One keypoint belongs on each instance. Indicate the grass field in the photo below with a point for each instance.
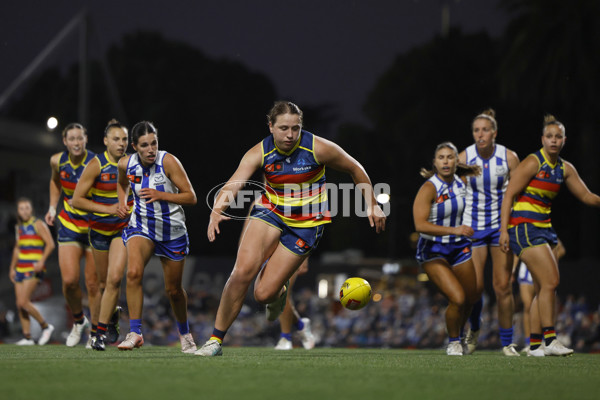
(57, 372)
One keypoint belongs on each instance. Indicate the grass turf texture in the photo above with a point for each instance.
(58, 372)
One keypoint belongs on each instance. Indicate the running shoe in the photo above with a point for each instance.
(275, 308)
(306, 336)
(187, 344)
(454, 349)
(75, 336)
(283, 344)
(99, 342)
(211, 348)
(46, 335)
(113, 330)
(25, 342)
(556, 348)
(132, 341)
(471, 340)
(510, 350)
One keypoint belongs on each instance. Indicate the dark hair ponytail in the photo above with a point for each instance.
(142, 128)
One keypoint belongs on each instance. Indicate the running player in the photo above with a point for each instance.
(73, 240)
(160, 188)
(33, 246)
(482, 213)
(444, 250)
(527, 228)
(288, 221)
(99, 178)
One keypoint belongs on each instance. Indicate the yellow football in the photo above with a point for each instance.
(355, 293)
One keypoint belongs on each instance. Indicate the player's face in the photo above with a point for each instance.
(483, 133)
(116, 143)
(445, 163)
(24, 210)
(286, 131)
(553, 139)
(75, 140)
(147, 148)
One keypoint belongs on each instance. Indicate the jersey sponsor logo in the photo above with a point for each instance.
(108, 177)
(500, 170)
(543, 175)
(159, 179)
(301, 244)
(134, 179)
(442, 198)
(466, 250)
(274, 167)
(64, 175)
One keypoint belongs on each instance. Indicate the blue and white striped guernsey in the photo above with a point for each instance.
(486, 191)
(160, 220)
(447, 208)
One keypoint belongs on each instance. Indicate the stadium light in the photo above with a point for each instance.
(52, 123)
(323, 288)
(383, 198)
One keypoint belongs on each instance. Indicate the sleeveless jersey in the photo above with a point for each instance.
(104, 191)
(30, 245)
(160, 220)
(447, 208)
(534, 204)
(295, 183)
(486, 191)
(69, 217)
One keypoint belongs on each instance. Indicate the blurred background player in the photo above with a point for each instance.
(527, 227)
(160, 188)
(99, 179)
(33, 246)
(285, 225)
(290, 318)
(527, 291)
(73, 240)
(444, 250)
(482, 213)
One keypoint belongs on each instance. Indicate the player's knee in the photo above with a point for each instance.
(134, 276)
(175, 293)
(70, 285)
(22, 304)
(264, 295)
(503, 289)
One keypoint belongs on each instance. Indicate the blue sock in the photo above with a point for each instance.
(475, 317)
(184, 327)
(506, 336)
(135, 325)
(526, 341)
(300, 325)
(288, 336)
(453, 339)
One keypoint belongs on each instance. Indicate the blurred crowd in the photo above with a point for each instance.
(409, 314)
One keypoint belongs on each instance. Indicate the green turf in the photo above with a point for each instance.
(57, 372)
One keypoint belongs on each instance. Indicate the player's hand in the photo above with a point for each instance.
(377, 218)
(12, 274)
(122, 211)
(504, 241)
(464, 230)
(50, 215)
(151, 195)
(38, 266)
(213, 225)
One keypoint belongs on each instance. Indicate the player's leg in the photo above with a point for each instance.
(287, 319)
(20, 298)
(116, 262)
(442, 276)
(257, 243)
(502, 265)
(93, 288)
(526, 293)
(479, 257)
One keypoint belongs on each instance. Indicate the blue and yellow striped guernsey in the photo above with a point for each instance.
(104, 191)
(295, 189)
(534, 204)
(71, 218)
(30, 246)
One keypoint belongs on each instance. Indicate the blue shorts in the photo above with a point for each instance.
(68, 236)
(455, 253)
(102, 242)
(23, 276)
(524, 277)
(175, 249)
(300, 241)
(526, 235)
(486, 237)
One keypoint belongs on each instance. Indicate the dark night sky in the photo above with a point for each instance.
(314, 51)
